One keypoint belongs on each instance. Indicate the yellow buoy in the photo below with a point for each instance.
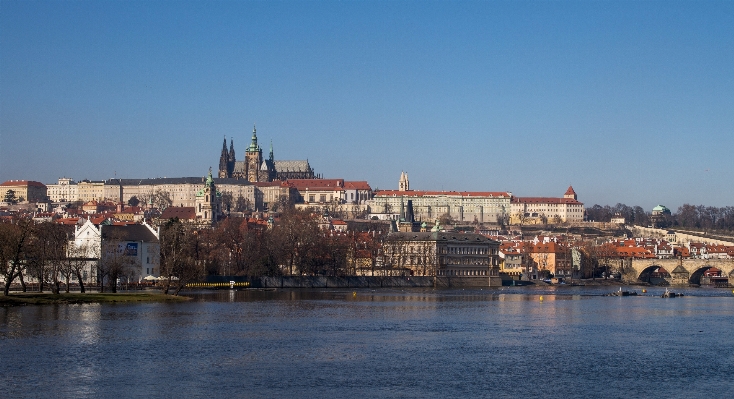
(541, 297)
(354, 293)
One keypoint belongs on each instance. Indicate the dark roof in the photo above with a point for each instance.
(441, 236)
(134, 232)
(292, 166)
(181, 212)
(173, 180)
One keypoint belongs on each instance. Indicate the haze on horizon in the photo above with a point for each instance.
(629, 102)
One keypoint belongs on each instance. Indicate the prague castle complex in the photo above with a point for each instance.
(257, 169)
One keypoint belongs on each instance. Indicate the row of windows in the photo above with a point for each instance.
(462, 272)
(465, 250)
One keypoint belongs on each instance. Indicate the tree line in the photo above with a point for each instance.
(238, 247)
(42, 252)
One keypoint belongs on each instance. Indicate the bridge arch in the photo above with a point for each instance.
(655, 274)
(695, 277)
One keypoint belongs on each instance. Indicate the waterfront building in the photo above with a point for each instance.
(24, 190)
(511, 261)
(462, 206)
(436, 253)
(536, 260)
(135, 248)
(543, 210)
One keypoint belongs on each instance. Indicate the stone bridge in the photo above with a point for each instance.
(682, 272)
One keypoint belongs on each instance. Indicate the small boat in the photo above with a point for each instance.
(623, 293)
(669, 294)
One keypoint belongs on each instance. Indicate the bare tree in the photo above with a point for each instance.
(242, 204)
(160, 199)
(49, 244)
(114, 261)
(14, 239)
(446, 219)
(503, 219)
(77, 260)
(227, 201)
(183, 255)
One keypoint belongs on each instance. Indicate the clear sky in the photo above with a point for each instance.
(630, 102)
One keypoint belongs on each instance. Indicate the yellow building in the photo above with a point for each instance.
(90, 190)
(24, 190)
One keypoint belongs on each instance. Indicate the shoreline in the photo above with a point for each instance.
(36, 298)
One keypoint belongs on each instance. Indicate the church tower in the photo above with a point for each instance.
(404, 184)
(570, 193)
(253, 158)
(208, 202)
(230, 163)
(224, 161)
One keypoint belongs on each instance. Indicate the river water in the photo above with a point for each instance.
(500, 343)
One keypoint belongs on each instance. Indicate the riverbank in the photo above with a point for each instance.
(19, 299)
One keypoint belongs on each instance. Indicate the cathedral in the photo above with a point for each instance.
(257, 169)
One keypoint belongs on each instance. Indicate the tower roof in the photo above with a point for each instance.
(570, 191)
(253, 145)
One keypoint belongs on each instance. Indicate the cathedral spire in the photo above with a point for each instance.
(223, 160)
(253, 145)
(271, 151)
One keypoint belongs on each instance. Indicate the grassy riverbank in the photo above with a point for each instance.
(16, 299)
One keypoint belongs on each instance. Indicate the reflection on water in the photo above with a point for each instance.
(503, 342)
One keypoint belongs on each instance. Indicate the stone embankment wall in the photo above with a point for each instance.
(361, 282)
(680, 236)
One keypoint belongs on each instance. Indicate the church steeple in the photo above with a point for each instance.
(272, 158)
(404, 183)
(224, 160)
(253, 145)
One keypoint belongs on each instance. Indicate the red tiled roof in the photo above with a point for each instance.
(570, 191)
(681, 251)
(635, 252)
(98, 220)
(316, 183)
(181, 212)
(357, 185)
(68, 221)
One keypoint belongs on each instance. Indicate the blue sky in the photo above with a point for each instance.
(630, 102)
